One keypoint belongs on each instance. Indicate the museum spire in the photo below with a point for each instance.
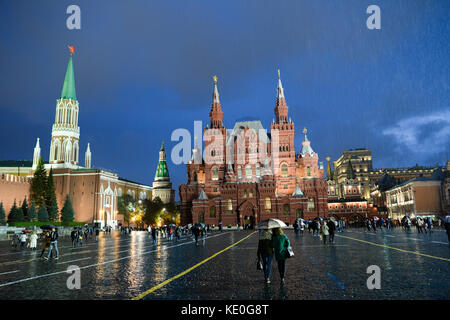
(216, 114)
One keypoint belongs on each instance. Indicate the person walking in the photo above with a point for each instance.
(46, 242)
(296, 227)
(302, 227)
(23, 240)
(220, 226)
(178, 233)
(331, 230)
(195, 232)
(97, 233)
(203, 235)
(73, 236)
(33, 240)
(154, 235)
(430, 224)
(53, 244)
(324, 230)
(447, 227)
(265, 253)
(280, 243)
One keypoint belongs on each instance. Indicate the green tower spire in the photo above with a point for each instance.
(162, 172)
(68, 90)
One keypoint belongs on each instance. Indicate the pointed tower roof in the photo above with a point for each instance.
(162, 172)
(306, 145)
(297, 192)
(329, 171)
(216, 114)
(281, 109)
(68, 90)
(350, 172)
(202, 195)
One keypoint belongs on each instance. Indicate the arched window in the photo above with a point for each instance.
(240, 172)
(267, 204)
(248, 172)
(229, 206)
(212, 212)
(310, 204)
(286, 209)
(284, 170)
(258, 171)
(215, 173)
(308, 171)
(245, 193)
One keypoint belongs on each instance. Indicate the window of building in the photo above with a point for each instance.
(248, 172)
(201, 217)
(311, 204)
(267, 204)
(286, 209)
(285, 186)
(258, 171)
(229, 206)
(284, 170)
(240, 172)
(245, 193)
(212, 212)
(215, 173)
(299, 213)
(308, 171)
(250, 193)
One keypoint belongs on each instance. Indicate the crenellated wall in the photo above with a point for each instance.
(13, 187)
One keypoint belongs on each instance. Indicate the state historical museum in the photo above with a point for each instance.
(247, 175)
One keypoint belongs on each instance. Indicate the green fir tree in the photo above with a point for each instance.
(32, 214)
(19, 215)
(53, 214)
(2, 213)
(43, 214)
(13, 213)
(67, 213)
(25, 209)
(39, 184)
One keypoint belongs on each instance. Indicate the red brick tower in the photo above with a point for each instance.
(283, 150)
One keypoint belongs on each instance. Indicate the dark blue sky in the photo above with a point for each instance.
(144, 68)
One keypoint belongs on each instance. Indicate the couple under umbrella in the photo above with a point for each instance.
(273, 241)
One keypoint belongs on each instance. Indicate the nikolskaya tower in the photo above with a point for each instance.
(65, 142)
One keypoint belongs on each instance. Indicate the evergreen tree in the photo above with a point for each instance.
(39, 184)
(13, 213)
(53, 214)
(25, 209)
(43, 214)
(50, 191)
(19, 215)
(32, 214)
(67, 213)
(2, 214)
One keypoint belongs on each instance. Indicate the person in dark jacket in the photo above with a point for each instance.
(196, 233)
(280, 243)
(73, 236)
(331, 230)
(53, 244)
(265, 252)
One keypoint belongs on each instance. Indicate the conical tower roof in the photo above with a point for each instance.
(162, 172)
(329, 171)
(68, 90)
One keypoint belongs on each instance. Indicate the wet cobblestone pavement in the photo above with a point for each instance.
(413, 266)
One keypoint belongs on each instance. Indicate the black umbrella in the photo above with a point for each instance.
(48, 226)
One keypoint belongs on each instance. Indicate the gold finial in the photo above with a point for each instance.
(304, 130)
(278, 73)
(215, 79)
(328, 159)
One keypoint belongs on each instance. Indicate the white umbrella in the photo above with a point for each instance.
(271, 223)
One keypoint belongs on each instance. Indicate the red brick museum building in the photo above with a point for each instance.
(247, 175)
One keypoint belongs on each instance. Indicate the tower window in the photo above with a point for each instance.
(284, 170)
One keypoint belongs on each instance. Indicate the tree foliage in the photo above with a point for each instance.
(43, 214)
(67, 213)
(32, 214)
(39, 184)
(2, 213)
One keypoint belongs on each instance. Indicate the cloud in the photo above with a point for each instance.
(423, 134)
